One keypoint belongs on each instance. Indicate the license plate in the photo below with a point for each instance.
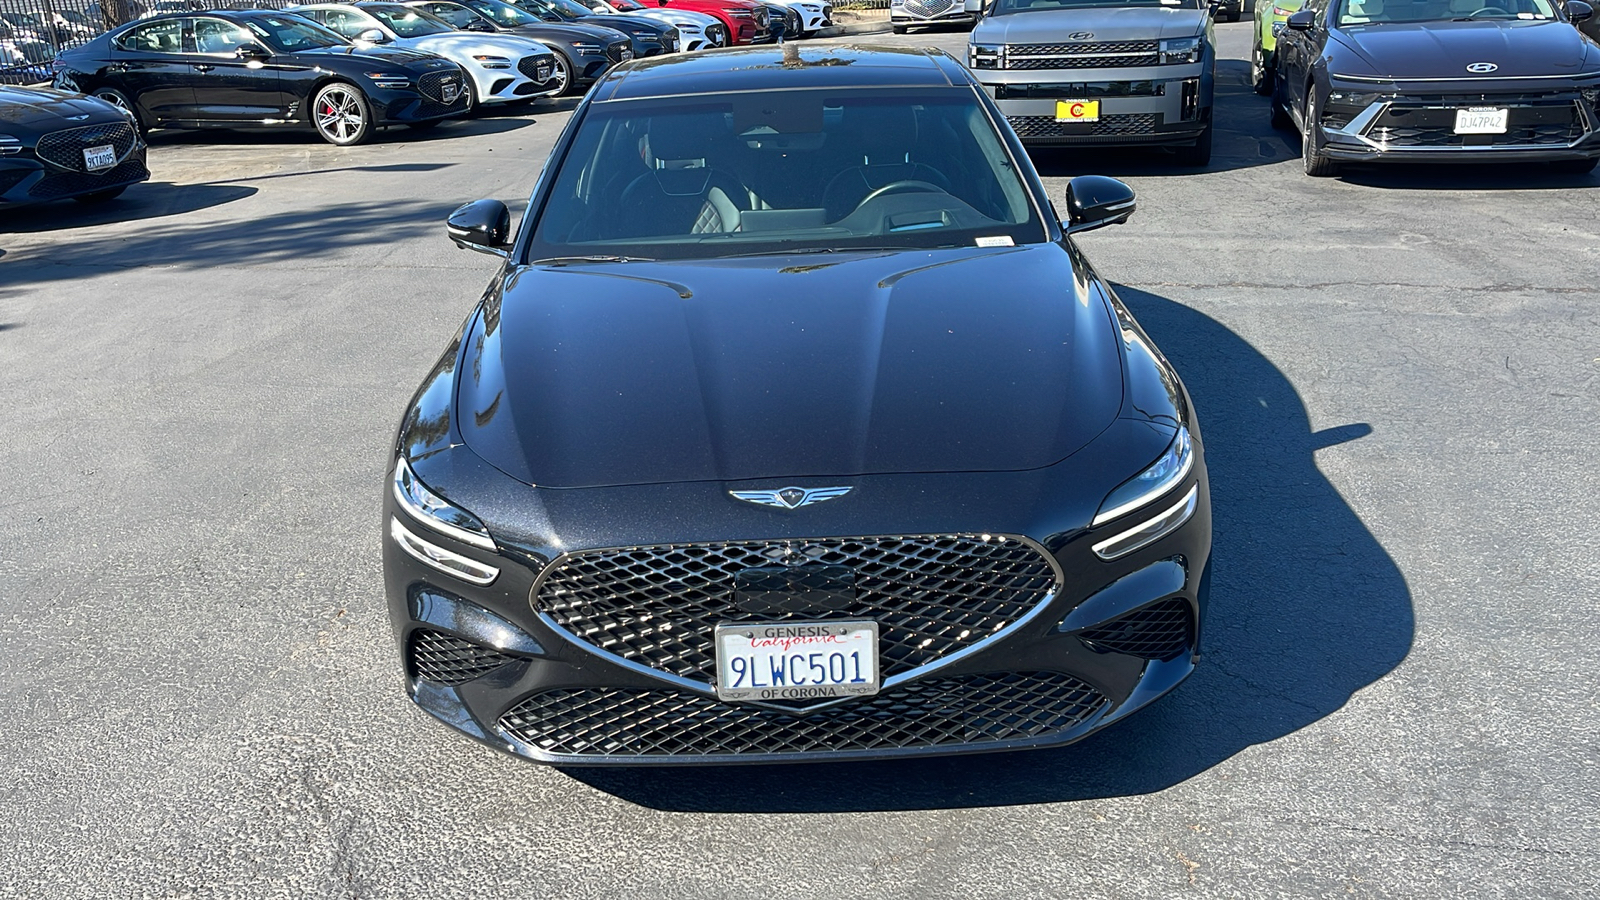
(1077, 110)
(627, 55)
(97, 159)
(797, 660)
(449, 91)
(542, 71)
(1481, 120)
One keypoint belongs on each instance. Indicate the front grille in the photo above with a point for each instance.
(1085, 47)
(1080, 62)
(931, 595)
(448, 660)
(938, 712)
(619, 51)
(1162, 630)
(1539, 125)
(431, 86)
(1115, 124)
(537, 68)
(64, 148)
(68, 184)
(927, 9)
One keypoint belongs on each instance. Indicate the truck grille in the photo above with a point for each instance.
(938, 712)
(932, 595)
(1115, 124)
(64, 149)
(1087, 55)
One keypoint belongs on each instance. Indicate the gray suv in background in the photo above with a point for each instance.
(1100, 72)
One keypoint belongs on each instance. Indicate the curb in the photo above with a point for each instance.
(855, 28)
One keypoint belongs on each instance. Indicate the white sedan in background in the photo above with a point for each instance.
(502, 68)
(814, 14)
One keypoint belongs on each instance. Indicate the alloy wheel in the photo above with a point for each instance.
(340, 114)
(561, 75)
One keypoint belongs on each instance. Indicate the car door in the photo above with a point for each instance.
(228, 88)
(1303, 48)
(149, 67)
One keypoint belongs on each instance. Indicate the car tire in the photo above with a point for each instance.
(1261, 75)
(341, 114)
(1317, 164)
(562, 72)
(118, 99)
(1197, 154)
(1574, 166)
(101, 196)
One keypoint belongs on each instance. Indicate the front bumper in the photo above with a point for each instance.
(426, 101)
(54, 169)
(1170, 106)
(531, 677)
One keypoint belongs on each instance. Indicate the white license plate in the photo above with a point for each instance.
(1481, 120)
(627, 55)
(449, 91)
(797, 660)
(98, 159)
(543, 71)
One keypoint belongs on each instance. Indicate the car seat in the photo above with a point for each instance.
(886, 135)
(683, 192)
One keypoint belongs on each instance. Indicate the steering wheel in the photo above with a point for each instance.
(907, 186)
(1488, 9)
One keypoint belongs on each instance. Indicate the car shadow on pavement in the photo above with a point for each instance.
(1484, 177)
(466, 126)
(1307, 608)
(1244, 139)
(150, 200)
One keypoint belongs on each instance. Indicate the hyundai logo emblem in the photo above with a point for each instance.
(1081, 36)
(1482, 68)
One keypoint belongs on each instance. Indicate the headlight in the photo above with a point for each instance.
(1148, 486)
(9, 145)
(586, 47)
(1280, 12)
(436, 512)
(1181, 50)
(389, 80)
(986, 56)
(493, 62)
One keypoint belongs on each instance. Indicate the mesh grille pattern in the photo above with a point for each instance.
(449, 660)
(65, 148)
(68, 184)
(615, 51)
(928, 8)
(1159, 631)
(931, 595)
(1047, 126)
(939, 712)
(1086, 47)
(537, 68)
(1544, 124)
(1081, 62)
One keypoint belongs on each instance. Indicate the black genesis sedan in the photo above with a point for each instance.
(56, 144)
(261, 69)
(583, 52)
(794, 426)
(1440, 80)
(650, 36)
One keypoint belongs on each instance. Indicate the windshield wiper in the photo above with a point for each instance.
(797, 251)
(581, 260)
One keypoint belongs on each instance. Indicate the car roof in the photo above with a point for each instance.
(777, 67)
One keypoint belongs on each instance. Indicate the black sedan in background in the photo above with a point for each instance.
(261, 69)
(1441, 81)
(650, 37)
(56, 144)
(794, 426)
(583, 52)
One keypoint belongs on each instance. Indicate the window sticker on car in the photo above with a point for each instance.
(1001, 240)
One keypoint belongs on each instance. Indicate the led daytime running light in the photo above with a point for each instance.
(435, 512)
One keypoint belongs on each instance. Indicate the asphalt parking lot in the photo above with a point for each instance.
(1398, 377)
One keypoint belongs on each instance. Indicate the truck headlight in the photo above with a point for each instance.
(986, 56)
(1181, 50)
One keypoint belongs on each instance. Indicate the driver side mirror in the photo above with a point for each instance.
(1095, 201)
(373, 36)
(1579, 11)
(251, 52)
(1301, 20)
(482, 225)
(973, 6)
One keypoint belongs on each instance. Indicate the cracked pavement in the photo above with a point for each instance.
(1398, 377)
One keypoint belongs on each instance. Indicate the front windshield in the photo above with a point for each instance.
(1376, 12)
(291, 34)
(628, 5)
(691, 178)
(1012, 6)
(407, 22)
(503, 14)
(570, 7)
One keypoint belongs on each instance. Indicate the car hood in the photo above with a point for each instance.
(49, 109)
(677, 17)
(462, 46)
(1126, 23)
(864, 363)
(626, 24)
(398, 56)
(1445, 49)
(569, 32)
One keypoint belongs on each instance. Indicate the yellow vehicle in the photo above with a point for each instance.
(1269, 14)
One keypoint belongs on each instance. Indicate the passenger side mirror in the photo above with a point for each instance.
(252, 52)
(373, 36)
(1301, 20)
(1095, 201)
(1579, 11)
(975, 7)
(482, 225)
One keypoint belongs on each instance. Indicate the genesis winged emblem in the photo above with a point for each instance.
(790, 497)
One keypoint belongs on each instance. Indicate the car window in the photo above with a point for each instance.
(1368, 12)
(165, 36)
(410, 23)
(218, 36)
(342, 21)
(503, 14)
(687, 178)
(458, 16)
(291, 33)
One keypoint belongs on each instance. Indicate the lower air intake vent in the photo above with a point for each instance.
(1161, 630)
(448, 660)
(938, 712)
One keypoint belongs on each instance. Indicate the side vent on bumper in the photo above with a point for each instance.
(444, 659)
(1162, 631)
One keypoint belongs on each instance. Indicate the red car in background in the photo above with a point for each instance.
(746, 20)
